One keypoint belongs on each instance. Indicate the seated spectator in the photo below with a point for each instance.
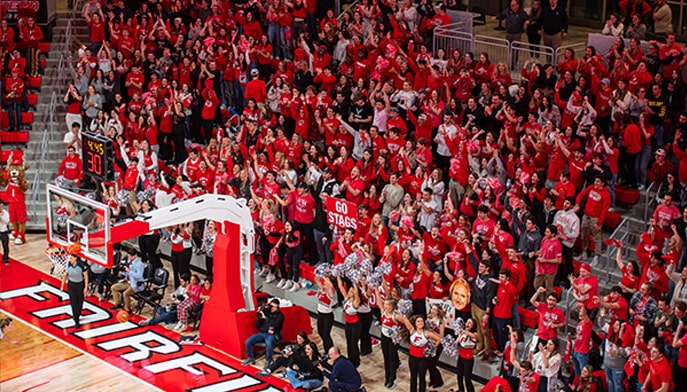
(342, 375)
(269, 323)
(292, 354)
(636, 29)
(305, 373)
(134, 283)
(14, 98)
(192, 299)
(613, 26)
(168, 314)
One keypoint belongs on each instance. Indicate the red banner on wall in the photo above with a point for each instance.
(342, 213)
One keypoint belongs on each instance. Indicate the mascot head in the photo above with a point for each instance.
(17, 170)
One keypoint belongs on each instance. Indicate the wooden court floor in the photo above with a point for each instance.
(43, 363)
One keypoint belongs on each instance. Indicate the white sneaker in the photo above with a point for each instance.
(287, 285)
(295, 287)
(281, 284)
(270, 278)
(265, 270)
(595, 260)
(640, 188)
(178, 326)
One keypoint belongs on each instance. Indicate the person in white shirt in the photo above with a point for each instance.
(447, 128)
(568, 224)
(547, 363)
(428, 209)
(4, 232)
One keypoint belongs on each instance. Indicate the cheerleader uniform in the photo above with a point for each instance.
(365, 315)
(389, 329)
(435, 379)
(417, 362)
(352, 329)
(325, 318)
(466, 360)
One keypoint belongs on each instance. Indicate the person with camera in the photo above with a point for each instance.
(134, 273)
(290, 355)
(343, 376)
(269, 324)
(305, 373)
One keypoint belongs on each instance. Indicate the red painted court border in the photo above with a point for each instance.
(34, 297)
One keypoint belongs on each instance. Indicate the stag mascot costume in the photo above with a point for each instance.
(14, 186)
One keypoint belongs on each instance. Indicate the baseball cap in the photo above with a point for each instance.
(302, 185)
(605, 81)
(661, 151)
(254, 72)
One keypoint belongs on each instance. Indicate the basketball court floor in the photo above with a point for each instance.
(106, 355)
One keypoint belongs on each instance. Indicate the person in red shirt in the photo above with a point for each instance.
(680, 369)
(506, 297)
(353, 186)
(421, 281)
(255, 88)
(598, 201)
(615, 304)
(586, 289)
(71, 168)
(134, 81)
(660, 376)
(30, 36)
(96, 21)
(551, 317)
(582, 342)
(14, 98)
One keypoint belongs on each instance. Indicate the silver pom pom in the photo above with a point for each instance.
(384, 268)
(375, 279)
(458, 325)
(145, 194)
(354, 275)
(450, 346)
(339, 270)
(123, 197)
(366, 267)
(62, 219)
(396, 334)
(430, 350)
(351, 259)
(322, 270)
(60, 181)
(91, 195)
(405, 307)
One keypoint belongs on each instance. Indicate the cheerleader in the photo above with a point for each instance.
(326, 297)
(467, 340)
(365, 314)
(353, 325)
(435, 323)
(390, 322)
(417, 361)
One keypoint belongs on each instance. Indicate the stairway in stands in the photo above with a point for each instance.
(44, 149)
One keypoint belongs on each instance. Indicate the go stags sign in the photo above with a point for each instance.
(151, 354)
(342, 213)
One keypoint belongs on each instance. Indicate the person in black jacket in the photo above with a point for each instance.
(305, 373)
(483, 290)
(291, 354)
(269, 324)
(343, 377)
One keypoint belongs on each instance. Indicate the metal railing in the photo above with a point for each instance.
(37, 182)
(350, 6)
(569, 305)
(577, 47)
(450, 38)
(498, 49)
(521, 52)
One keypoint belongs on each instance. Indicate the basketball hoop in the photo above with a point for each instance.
(59, 258)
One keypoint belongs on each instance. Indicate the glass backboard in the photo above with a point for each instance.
(74, 218)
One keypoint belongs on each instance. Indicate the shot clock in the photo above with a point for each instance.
(98, 156)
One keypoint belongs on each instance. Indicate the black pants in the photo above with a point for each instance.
(418, 372)
(208, 266)
(5, 239)
(178, 136)
(306, 230)
(325, 321)
(164, 140)
(76, 296)
(464, 373)
(435, 379)
(352, 338)
(566, 267)
(365, 338)
(627, 169)
(419, 306)
(293, 262)
(148, 244)
(181, 262)
(391, 361)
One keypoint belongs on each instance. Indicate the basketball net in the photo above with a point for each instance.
(59, 258)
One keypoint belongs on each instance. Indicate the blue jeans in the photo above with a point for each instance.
(341, 386)
(641, 164)
(285, 44)
(579, 361)
(658, 135)
(261, 337)
(164, 316)
(296, 382)
(615, 379)
(323, 251)
(611, 188)
(273, 36)
(516, 317)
